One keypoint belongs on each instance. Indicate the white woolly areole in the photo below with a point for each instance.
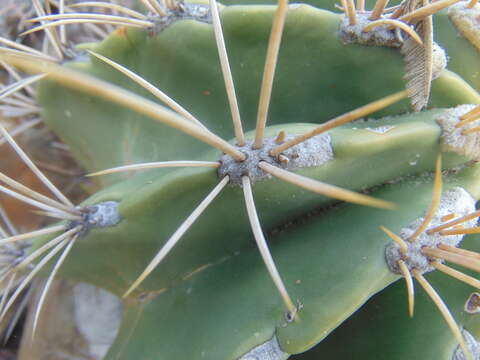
(266, 351)
(313, 152)
(457, 201)
(439, 60)
(452, 137)
(472, 345)
(467, 21)
(104, 214)
(379, 36)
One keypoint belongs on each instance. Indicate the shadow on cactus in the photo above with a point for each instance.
(177, 244)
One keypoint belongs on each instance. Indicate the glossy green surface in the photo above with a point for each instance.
(212, 297)
(317, 79)
(331, 267)
(463, 57)
(397, 336)
(154, 204)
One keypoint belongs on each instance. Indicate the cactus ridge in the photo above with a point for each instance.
(414, 252)
(270, 156)
(245, 174)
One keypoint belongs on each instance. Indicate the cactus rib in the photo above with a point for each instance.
(436, 197)
(342, 119)
(128, 99)
(407, 270)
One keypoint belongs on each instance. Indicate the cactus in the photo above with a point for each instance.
(353, 164)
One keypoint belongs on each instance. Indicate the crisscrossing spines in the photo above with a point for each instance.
(273, 163)
(422, 247)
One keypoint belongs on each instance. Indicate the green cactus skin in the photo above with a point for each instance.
(396, 335)
(329, 294)
(304, 91)
(212, 297)
(150, 207)
(465, 64)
